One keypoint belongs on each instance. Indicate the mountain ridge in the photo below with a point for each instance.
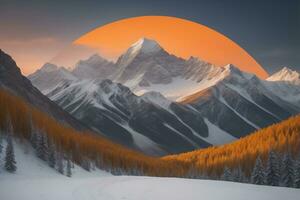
(11, 79)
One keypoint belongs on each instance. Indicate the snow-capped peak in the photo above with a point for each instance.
(48, 67)
(232, 72)
(285, 74)
(95, 58)
(232, 68)
(145, 45)
(49, 76)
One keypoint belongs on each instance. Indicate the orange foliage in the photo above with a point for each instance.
(281, 137)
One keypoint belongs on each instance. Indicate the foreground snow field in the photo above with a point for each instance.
(35, 181)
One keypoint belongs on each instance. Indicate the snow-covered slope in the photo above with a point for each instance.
(34, 180)
(29, 166)
(239, 103)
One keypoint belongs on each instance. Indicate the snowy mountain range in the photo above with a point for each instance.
(159, 103)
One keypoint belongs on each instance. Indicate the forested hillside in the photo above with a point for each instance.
(268, 156)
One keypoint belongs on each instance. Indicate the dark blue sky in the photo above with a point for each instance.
(268, 29)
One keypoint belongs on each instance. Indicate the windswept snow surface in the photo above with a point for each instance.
(178, 90)
(34, 180)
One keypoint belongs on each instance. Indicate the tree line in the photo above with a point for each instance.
(278, 170)
(269, 156)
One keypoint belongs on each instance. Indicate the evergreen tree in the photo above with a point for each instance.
(69, 166)
(0, 151)
(33, 134)
(42, 147)
(273, 171)
(10, 162)
(227, 175)
(86, 164)
(60, 163)
(297, 173)
(1, 146)
(193, 172)
(238, 175)
(287, 178)
(1, 141)
(33, 139)
(52, 156)
(257, 175)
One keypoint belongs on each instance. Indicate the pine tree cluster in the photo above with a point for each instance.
(47, 151)
(10, 163)
(279, 170)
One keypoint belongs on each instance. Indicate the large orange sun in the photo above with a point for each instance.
(180, 37)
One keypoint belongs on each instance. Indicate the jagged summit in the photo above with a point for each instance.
(48, 67)
(232, 67)
(95, 58)
(285, 74)
(93, 67)
(196, 60)
(145, 45)
(49, 75)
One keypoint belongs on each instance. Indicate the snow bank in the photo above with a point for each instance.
(34, 180)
